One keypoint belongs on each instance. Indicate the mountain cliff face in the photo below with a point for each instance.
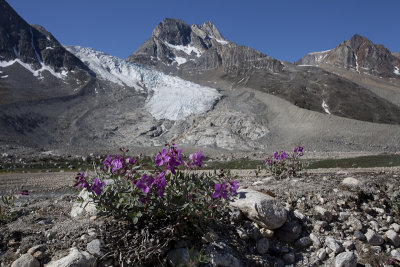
(396, 54)
(33, 54)
(175, 47)
(358, 54)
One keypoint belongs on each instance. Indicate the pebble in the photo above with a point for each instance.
(262, 245)
(355, 223)
(94, 247)
(333, 245)
(299, 215)
(359, 235)
(344, 215)
(393, 237)
(322, 254)
(346, 259)
(303, 242)
(395, 227)
(266, 232)
(315, 240)
(374, 225)
(373, 238)
(323, 213)
(289, 258)
(348, 245)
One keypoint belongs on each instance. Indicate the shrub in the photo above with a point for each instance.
(283, 164)
(172, 192)
(7, 210)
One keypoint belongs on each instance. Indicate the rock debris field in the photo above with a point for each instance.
(326, 217)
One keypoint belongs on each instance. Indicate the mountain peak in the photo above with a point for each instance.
(212, 31)
(173, 31)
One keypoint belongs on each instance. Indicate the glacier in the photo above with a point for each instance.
(169, 97)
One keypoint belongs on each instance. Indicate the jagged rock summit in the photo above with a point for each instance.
(176, 47)
(358, 54)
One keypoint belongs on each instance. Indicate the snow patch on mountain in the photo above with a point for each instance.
(36, 73)
(188, 49)
(325, 107)
(169, 97)
(396, 71)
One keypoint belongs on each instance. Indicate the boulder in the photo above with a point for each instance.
(263, 209)
(26, 260)
(75, 258)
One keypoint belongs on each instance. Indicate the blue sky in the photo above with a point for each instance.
(286, 29)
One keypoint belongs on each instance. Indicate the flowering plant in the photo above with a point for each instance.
(284, 164)
(173, 191)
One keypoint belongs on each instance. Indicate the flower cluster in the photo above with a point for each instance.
(82, 182)
(221, 190)
(170, 191)
(281, 163)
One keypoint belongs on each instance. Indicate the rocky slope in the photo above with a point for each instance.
(357, 54)
(396, 54)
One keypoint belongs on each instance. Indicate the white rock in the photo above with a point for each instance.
(351, 182)
(263, 209)
(315, 240)
(299, 215)
(393, 237)
(75, 258)
(395, 253)
(395, 227)
(86, 207)
(346, 259)
(257, 183)
(93, 247)
(26, 260)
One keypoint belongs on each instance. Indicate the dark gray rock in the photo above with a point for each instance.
(262, 245)
(373, 238)
(289, 232)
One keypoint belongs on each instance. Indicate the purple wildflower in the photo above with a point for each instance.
(283, 156)
(276, 155)
(220, 191)
(130, 161)
(97, 186)
(116, 163)
(162, 157)
(81, 181)
(234, 187)
(107, 163)
(196, 159)
(161, 183)
(145, 182)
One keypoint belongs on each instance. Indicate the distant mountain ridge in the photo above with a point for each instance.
(358, 54)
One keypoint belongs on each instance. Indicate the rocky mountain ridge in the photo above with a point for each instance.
(357, 54)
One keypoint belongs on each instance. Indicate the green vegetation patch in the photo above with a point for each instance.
(384, 160)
